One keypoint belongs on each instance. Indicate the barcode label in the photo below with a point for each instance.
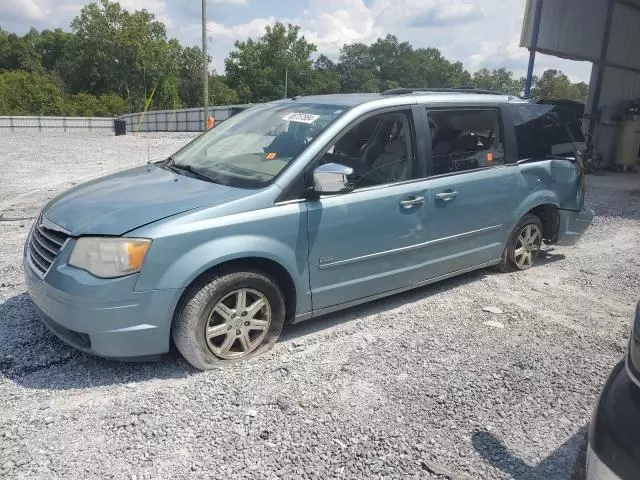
(300, 117)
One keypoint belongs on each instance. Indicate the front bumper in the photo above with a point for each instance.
(104, 317)
(614, 433)
(572, 225)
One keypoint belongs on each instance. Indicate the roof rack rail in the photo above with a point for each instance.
(404, 91)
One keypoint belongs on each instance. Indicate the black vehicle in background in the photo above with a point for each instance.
(614, 434)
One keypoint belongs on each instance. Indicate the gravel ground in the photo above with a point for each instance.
(413, 386)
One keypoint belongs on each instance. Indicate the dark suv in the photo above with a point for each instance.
(614, 434)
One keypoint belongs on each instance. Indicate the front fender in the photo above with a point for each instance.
(188, 266)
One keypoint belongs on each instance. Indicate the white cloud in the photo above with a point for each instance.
(234, 2)
(253, 29)
(23, 8)
(157, 7)
(38, 10)
(332, 23)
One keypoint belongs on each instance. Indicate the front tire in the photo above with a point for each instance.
(227, 318)
(523, 246)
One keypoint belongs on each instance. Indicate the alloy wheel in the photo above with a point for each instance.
(527, 246)
(238, 324)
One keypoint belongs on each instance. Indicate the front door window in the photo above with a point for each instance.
(380, 150)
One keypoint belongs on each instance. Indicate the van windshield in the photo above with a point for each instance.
(254, 146)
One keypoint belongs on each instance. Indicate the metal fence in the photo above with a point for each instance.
(182, 120)
(56, 124)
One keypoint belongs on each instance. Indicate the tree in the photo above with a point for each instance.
(389, 63)
(51, 46)
(190, 77)
(500, 80)
(260, 68)
(18, 53)
(26, 93)
(220, 93)
(555, 84)
(325, 78)
(358, 72)
(114, 51)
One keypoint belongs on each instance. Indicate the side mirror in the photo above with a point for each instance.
(331, 178)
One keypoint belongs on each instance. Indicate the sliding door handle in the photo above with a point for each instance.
(412, 202)
(446, 196)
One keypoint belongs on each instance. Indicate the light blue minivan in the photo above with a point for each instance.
(300, 207)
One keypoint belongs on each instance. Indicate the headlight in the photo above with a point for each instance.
(109, 257)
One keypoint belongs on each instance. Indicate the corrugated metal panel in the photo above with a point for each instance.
(619, 84)
(568, 28)
(624, 44)
(56, 124)
(182, 120)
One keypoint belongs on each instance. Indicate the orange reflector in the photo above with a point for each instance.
(272, 156)
(137, 251)
(489, 157)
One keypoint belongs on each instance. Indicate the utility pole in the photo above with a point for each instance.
(205, 69)
(286, 80)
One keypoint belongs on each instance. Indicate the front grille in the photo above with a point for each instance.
(44, 245)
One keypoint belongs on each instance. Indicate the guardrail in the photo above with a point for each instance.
(56, 124)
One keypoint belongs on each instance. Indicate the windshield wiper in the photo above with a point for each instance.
(177, 167)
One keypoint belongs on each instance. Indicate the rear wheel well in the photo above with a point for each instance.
(255, 264)
(548, 215)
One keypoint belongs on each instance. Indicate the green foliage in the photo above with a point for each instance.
(115, 51)
(18, 53)
(389, 63)
(500, 80)
(190, 77)
(220, 93)
(87, 105)
(114, 60)
(258, 69)
(555, 84)
(26, 93)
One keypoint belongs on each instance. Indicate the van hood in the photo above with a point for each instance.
(119, 203)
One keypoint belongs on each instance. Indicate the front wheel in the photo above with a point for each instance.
(524, 245)
(228, 318)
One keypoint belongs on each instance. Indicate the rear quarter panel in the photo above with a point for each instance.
(555, 182)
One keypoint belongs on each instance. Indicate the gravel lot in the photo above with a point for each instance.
(413, 386)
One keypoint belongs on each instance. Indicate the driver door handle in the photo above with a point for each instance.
(446, 196)
(412, 202)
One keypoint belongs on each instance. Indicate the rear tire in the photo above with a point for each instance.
(523, 245)
(228, 318)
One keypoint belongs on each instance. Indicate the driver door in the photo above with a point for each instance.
(366, 242)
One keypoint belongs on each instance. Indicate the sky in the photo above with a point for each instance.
(479, 33)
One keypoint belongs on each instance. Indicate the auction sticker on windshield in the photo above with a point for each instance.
(300, 117)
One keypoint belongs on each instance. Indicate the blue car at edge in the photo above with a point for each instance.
(300, 207)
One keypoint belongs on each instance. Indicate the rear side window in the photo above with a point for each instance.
(544, 131)
(465, 140)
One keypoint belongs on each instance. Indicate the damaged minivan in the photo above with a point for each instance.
(300, 207)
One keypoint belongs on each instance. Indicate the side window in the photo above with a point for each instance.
(465, 140)
(380, 149)
(544, 131)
